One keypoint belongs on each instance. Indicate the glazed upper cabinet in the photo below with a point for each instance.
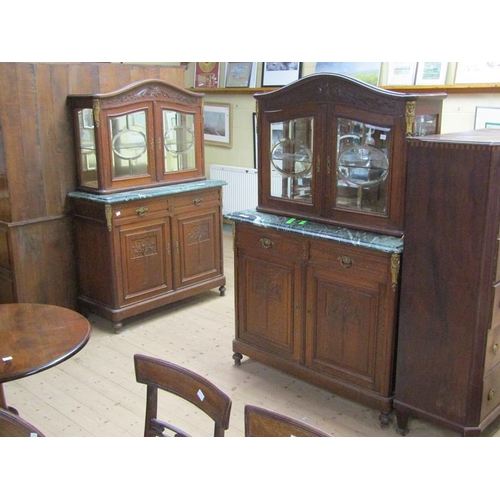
(333, 149)
(147, 134)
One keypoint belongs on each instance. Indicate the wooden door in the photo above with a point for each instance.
(144, 261)
(197, 246)
(270, 292)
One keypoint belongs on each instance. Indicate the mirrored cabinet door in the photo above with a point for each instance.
(291, 160)
(87, 148)
(129, 141)
(178, 141)
(362, 166)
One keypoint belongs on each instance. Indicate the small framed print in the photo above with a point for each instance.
(217, 124)
(277, 74)
(487, 117)
(431, 73)
(240, 74)
(206, 75)
(401, 73)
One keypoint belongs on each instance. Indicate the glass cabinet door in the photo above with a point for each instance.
(362, 166)
(87, 154)
(291, 158)
(129, 144)
(179, 141)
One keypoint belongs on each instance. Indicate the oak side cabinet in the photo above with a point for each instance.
(148, 223)
(448, 368)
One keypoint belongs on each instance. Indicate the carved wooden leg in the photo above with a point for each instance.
(402, 423)
(222, 290)
(237, 358)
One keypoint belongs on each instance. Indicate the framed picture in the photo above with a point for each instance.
(487, 117)
(431, 73)
(277, 74)
(217, 124)
(368, 72)
(485, 72)
(401, 73)
(241, 74)
(206, 75)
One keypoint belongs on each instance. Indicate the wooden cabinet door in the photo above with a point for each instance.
(197, 246)
(350, 317)
(269, 293)
(144, 262)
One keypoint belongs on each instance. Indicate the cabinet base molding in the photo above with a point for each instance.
(338, 387)
(116, 316)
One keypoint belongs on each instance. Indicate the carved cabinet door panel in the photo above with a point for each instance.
(342, 327)
(197, 249)
(144, 269)
(269, 311)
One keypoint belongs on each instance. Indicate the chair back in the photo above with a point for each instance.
(260, 422)
(161, 374)
(12, 425)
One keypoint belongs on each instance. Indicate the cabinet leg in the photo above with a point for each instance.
(402, 423)
(237, 358)
(384, 419)
(222, 290)
(117, 326)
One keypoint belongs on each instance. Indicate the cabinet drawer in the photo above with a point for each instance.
(491, 392)
(492, 349)
(270, 243)
(196, 199)
(347, 258)
(141, 208)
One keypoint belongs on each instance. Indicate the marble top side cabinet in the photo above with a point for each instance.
(317, 262)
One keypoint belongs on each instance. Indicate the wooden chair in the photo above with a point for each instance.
(160, 374)
(260, 422)
(12, 425)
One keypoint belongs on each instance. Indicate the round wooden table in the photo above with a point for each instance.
(34, 337)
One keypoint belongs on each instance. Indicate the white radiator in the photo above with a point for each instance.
(241, 191)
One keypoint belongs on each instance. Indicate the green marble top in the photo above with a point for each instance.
(364, 239)
(142, 194)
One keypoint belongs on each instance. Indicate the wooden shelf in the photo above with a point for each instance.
(487, 88)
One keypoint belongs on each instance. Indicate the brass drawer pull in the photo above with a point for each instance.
(266, 243)
(345, 261)
(141, 211)
(491, 395)
(198, 201)
(495, 348)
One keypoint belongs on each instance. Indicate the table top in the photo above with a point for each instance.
(34, 337)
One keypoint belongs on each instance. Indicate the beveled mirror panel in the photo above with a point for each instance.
(87, 145)
(178, 141)
(291, 147)
(363, 166)
(129, 144)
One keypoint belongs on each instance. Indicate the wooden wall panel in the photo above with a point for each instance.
(37, 169)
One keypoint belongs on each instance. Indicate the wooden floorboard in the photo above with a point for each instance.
(95, 392)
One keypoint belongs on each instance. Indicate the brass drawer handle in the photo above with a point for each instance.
(141, 211)
(198, 201)
(495, 348)
(345, 261)
(266, 243)
(491, 395)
